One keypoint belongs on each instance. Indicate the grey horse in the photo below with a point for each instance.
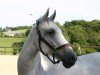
(47, 52)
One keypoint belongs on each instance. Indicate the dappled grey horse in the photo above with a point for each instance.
(47, 52)
(47, 38)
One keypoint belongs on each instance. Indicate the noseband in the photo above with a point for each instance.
(54, 50)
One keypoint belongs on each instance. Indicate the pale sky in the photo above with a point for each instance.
(16, 12)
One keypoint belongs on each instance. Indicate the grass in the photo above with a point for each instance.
(22, 31)
(7, 42)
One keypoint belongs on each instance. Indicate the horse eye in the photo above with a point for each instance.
(51, 31)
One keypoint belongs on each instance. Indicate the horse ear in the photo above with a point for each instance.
(45, 15)
(52, 17)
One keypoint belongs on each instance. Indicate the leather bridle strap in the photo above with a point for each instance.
(43, 40)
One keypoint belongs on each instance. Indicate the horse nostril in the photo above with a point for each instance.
(73, 59)
(69, 61)
(70, 58)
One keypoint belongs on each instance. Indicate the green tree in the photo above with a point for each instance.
(77, 35)
(17, 46)
(83, 33)
(27, 32)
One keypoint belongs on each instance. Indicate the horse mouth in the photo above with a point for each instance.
(66, 65)
(68, 57)
(68, 62)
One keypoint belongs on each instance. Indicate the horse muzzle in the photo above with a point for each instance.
(67, 56)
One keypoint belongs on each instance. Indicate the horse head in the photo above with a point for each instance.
(52, 41)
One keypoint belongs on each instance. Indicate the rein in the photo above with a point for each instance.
(54, 50)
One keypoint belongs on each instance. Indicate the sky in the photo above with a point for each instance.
(25, 12)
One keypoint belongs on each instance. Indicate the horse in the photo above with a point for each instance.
(88, 64)
(47, 52)
(44, 48)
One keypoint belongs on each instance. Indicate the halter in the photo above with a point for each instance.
(54, 50)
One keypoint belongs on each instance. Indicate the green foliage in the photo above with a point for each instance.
(77, 35)
(17, 46)
(20, 27)
(27, 32)
(83, 33)
(1, 34)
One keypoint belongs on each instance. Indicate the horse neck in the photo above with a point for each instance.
(46, 63)
(28, 53)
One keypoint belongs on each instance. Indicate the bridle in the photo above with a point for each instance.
(54, 50)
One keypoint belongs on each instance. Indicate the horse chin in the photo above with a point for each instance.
(66, 65)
